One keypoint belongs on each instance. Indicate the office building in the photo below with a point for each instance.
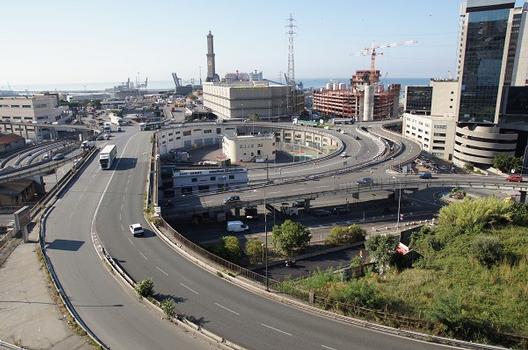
(242, 99)
(249, 148)
(429, 117)
(492, 61)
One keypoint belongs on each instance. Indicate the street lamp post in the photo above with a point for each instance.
(399, 204)
(266, 241)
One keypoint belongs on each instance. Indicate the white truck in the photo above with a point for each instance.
(107, 127)
(115, 119)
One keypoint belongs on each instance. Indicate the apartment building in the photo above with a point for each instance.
(249, 148)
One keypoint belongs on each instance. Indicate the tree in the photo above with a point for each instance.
(254, 250)
(290, 237)
(381, 249)
(254, 117)
(507, 163)
(487, 250)
(231, 248)
(145, 288)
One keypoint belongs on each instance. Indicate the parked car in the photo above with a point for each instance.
(321, 212)
(237, 226)
(366, 181)
(231, 199)
(136, 230)
(514, 178)
(426, 175)
(58, 156)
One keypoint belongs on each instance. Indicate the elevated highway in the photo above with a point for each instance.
(310, 190)
(107, 201)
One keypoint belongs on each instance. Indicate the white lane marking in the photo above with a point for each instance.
(163, 272)
(92, 226)
(275, 329)
(227, 309)
(131, 241)
(274, 192)
(328, 347)
(143, 255)
(189, 288)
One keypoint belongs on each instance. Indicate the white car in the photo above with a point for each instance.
(136, 230)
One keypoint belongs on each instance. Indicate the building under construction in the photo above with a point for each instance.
(364, 99)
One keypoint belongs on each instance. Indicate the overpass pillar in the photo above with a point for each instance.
(307, 204)
(522, 198)
(237, 212)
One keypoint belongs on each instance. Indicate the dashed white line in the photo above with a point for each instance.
(143, 255)
(131, 241)
(227, 309)
(163, 272)
(328, 347)
(189, 288)
(275, 329)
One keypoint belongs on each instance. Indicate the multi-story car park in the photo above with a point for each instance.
(196, 135)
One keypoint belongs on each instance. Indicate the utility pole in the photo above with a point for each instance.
(291, 98)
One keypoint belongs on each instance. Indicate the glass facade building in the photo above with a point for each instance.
(418, 99)
(487, 27)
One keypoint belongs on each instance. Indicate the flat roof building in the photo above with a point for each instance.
(249, 148)
(242, 99)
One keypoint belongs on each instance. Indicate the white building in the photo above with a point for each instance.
(29, 109)
(434, 133)
(36, 109)
(239, 100)
(200, 181)
(249, 148)
(430, 118)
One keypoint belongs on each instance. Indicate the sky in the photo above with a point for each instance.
(59, 41)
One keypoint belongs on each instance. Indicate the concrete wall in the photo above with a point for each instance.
(444, 100)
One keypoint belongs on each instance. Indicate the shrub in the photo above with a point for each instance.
(487, 250)
(340, 235)
(254, 250)
(471, 216)
(357, 292)
(145, 288)
(169, 307)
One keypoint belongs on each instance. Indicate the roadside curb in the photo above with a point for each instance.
(242, 282)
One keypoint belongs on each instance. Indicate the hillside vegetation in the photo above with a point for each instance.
(471, 283)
